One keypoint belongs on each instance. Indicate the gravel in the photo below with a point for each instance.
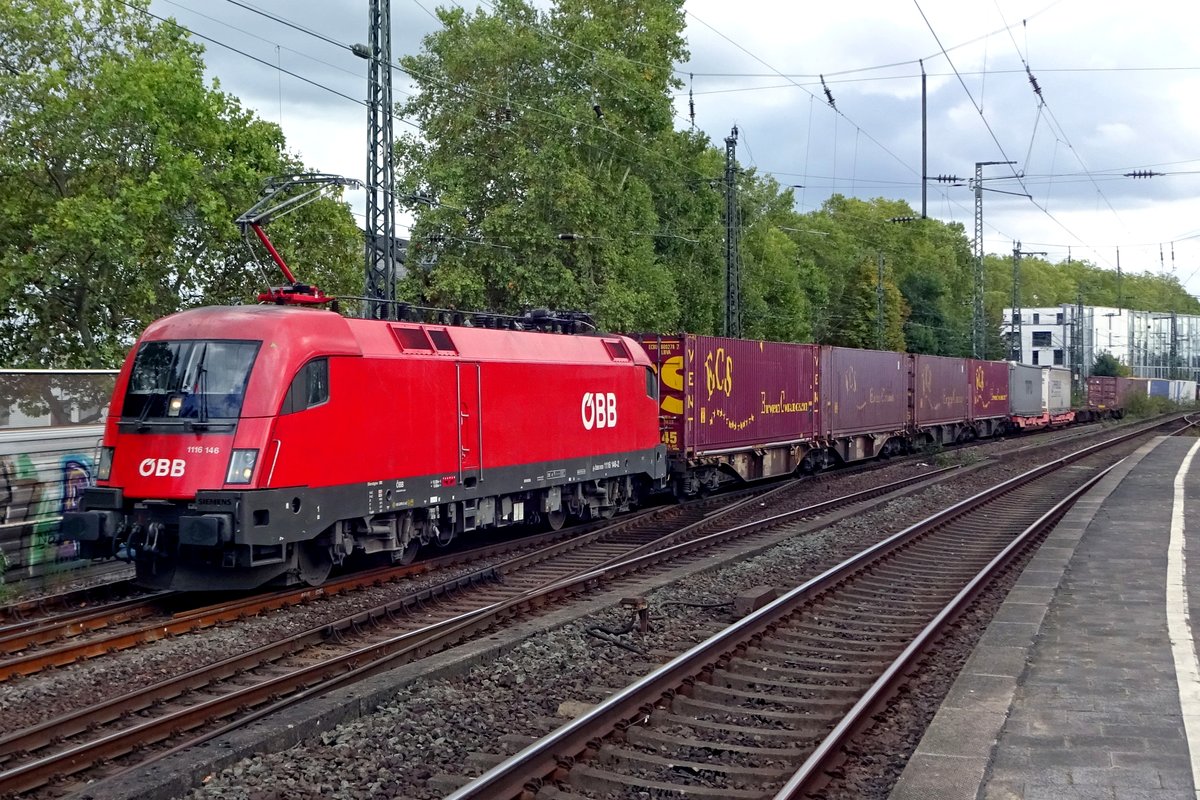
(434, 728)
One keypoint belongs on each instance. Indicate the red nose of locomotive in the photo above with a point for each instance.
(174, 431)
(174, 466)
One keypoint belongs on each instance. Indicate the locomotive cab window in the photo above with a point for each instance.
(309, 388)
(651, 383)
(188, 380)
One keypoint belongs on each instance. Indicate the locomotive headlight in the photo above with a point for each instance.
(241, 466)
(174, 405)
(104, 470)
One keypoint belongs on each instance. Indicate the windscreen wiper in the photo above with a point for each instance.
(142, 425)
(202, 390)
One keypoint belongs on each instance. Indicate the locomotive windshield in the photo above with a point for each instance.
(195, 380)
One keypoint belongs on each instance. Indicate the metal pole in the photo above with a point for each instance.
(924, 146)
(1016, 303)
(879, 305)
(1174, 349)
(979, 325)
(978, 335)
(733, 316)
(381, 208)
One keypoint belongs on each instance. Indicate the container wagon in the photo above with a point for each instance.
(865, 403)
(941, 399)
(989, 397)
(1183, 391)
(735, 408)
(1108, 396)
(1040, 397)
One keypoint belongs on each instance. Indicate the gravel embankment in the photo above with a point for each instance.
(432, 727)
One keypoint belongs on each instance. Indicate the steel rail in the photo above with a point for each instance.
(321, 678)
(364, 661)
(17, 610)
(545, 758)
(31, 661)
(38, 737)
(813, 773)
(19, 635)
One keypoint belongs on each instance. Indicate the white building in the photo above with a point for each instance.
(1153, 344)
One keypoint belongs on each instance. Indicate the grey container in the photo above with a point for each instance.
(1034, 391)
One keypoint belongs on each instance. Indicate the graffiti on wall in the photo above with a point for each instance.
(34, 492)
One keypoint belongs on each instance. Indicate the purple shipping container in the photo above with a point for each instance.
(989, 389)
(863, 391)
(940, 390)
(726, 394)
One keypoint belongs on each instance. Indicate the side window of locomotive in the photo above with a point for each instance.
(318, 382)
(309, 388)
(651, 383)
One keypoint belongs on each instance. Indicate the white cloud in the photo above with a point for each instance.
(1118, 82)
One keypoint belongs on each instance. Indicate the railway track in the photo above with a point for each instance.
(250, 685)
(103, 582)
(763, 708)
(90, 627)
(84, 607)
(42, 752)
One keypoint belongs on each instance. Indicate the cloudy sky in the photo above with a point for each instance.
(1119, 92)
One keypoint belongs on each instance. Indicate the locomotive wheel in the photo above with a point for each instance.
(314, 561)
(556, 519)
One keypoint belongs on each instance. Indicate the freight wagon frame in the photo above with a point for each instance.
(742, 409)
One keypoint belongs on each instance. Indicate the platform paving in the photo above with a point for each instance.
(1072, 693)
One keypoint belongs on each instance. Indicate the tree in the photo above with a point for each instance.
(548, 171)
(1107, 364)
(122, 175)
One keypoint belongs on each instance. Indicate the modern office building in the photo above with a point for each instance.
(1153, 344)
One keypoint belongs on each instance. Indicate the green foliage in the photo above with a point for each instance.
(515, 154)
(549, 172)
(1045, 284)
(123, 173)
(1144, 406)
(1108, 365)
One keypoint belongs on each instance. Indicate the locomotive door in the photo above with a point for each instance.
(470, 424)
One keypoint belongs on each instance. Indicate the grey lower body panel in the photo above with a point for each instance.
(230, 539)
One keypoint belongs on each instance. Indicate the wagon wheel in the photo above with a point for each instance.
(408, 554)
(556, 519)
(314, 561)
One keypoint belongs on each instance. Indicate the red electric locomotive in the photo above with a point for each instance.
(257, 444)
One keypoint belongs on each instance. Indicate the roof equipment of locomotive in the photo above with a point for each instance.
(281, 196)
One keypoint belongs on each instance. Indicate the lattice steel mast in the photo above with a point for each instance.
(733, 300)
(382, 251)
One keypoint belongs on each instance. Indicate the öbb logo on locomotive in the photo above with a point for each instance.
(162, 467)
(599, 410)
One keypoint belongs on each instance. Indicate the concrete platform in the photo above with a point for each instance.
(1085, 684)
